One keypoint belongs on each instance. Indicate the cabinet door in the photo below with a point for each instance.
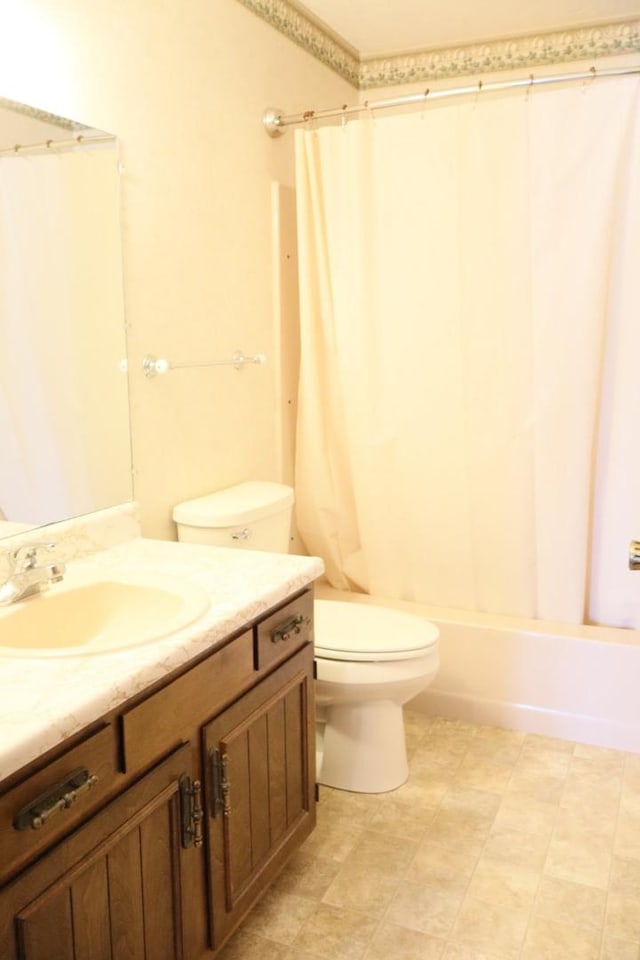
(260, 788)
(113, 888)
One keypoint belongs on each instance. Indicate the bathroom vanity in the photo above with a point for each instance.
(151, 829)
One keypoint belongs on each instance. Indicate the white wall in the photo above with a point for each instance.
(183, 83)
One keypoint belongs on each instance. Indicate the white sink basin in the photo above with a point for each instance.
(98, 616)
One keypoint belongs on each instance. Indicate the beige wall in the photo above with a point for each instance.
(184, 84)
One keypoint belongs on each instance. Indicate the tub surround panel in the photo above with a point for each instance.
(47, 700)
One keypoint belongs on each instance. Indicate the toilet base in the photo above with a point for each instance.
(363, 747)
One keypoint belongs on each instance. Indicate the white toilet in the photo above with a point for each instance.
(370, 659)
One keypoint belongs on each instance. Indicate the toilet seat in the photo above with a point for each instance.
(367, 632)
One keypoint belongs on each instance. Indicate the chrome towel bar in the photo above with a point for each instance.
(153, 366)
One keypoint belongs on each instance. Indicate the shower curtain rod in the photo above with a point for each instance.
(273, 119)
(79, 141)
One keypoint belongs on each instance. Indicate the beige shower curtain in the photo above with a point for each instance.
(470, 282)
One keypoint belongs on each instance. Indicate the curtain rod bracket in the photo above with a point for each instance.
(271, 121)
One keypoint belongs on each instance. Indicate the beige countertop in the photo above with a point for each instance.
(44, 700)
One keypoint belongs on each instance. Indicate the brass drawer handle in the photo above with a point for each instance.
(60, 797)
(290, 628)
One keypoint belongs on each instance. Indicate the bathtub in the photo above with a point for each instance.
(573, 682)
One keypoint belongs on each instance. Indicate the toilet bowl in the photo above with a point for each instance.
(370, 659)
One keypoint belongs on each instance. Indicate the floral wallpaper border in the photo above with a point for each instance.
(308, 35)
(511, 54)
(37, 114)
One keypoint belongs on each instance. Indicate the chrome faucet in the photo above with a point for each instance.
(27, 576)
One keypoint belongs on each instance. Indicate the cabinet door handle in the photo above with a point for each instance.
(290, 628)
(191, 811)
(59, 797)
(220, 784)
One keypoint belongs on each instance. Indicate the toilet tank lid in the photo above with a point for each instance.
(241, 503)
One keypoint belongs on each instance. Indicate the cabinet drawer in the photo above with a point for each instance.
(35, 812)
(153, 727)
(285, 631)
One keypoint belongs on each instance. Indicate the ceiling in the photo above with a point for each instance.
(378, 28)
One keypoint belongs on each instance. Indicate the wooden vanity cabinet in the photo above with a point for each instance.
(215, 789)
(113, 889)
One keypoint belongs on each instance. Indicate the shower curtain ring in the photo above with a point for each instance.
(586, 83)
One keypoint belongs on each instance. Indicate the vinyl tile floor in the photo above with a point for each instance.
(501, 846)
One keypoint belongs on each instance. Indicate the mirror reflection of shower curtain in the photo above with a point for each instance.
(469, 291)
(60, 286)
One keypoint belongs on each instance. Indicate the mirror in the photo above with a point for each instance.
(65, 447)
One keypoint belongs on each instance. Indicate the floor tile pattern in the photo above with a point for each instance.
(501, 846)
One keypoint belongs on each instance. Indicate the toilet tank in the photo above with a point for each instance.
(255, 515)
